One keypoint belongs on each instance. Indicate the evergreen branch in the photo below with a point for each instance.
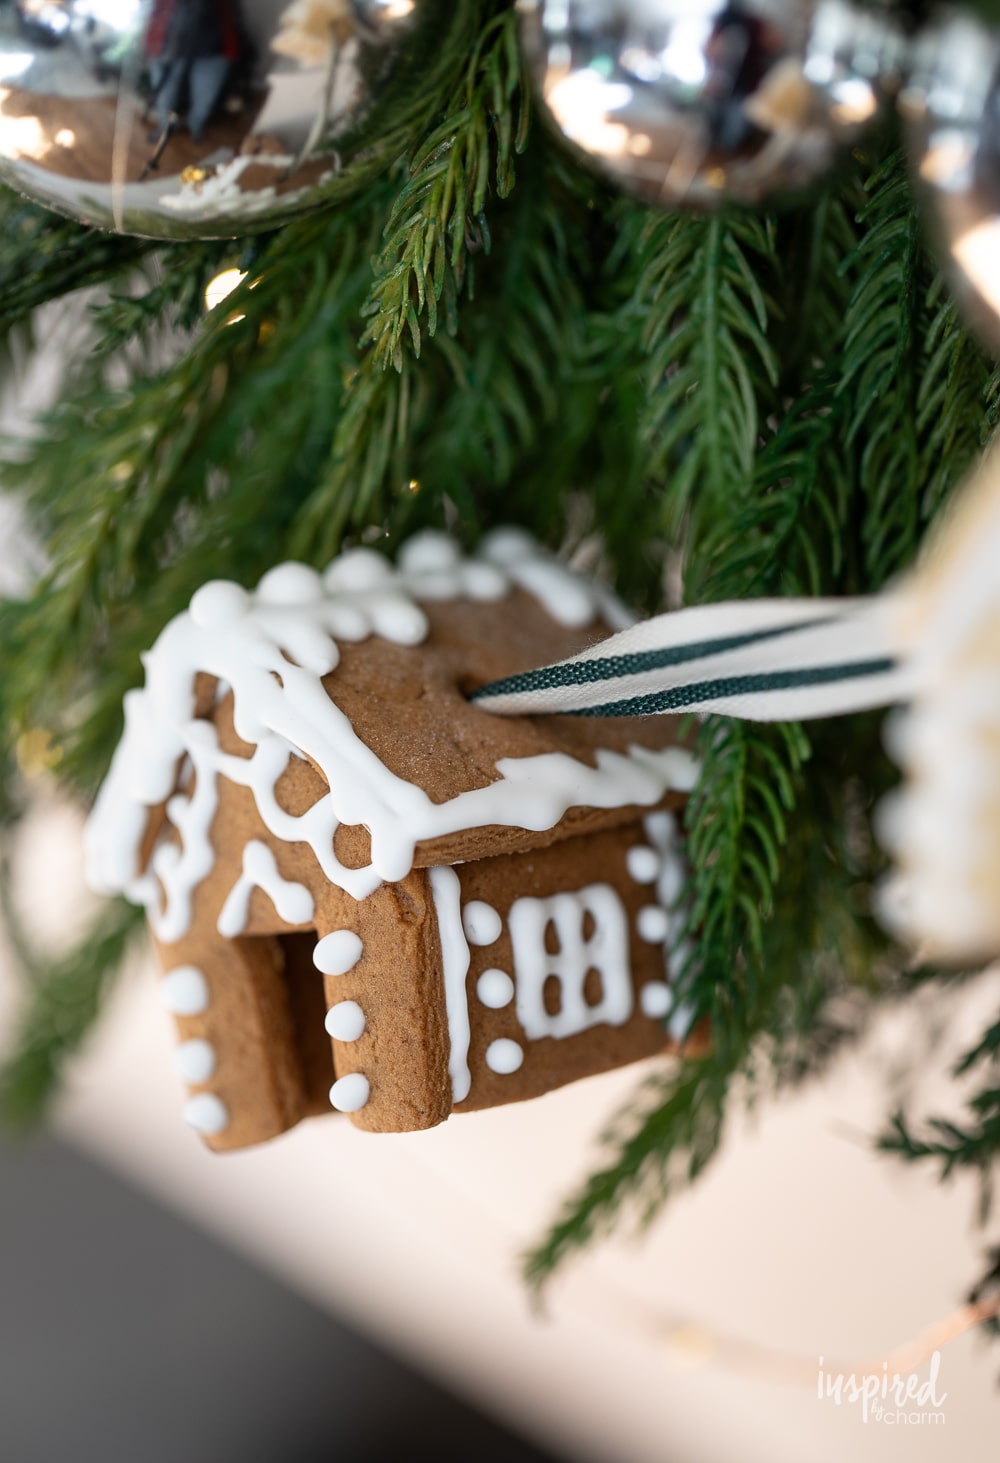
(880, 370)
(711, 371)
(813, 292)
(43, 257)
(952, 1146)
(437, 222)
(368, 447)
(787, 536)
(63, 1001)
(173, 284)
(143, 486)
(974, 1144)
(954, 385)
(511, 374)
(986, 1289)
(661, 1143)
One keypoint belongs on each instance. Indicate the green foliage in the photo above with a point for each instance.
(43, 257)
(65, 998)
(790, 505)
(438, 219)
(953, 1145)
(703, 313)
(770, 405)
(913, 379)
(663, 1141)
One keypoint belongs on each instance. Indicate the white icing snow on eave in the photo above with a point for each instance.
(272, 647)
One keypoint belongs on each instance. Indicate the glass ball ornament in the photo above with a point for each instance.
(697, 103)
(951, 103)
(174, 119)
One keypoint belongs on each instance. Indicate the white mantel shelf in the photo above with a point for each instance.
(799, 1239)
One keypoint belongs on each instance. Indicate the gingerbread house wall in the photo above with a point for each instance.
(413, 1000)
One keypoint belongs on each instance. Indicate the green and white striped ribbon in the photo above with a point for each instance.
(764, 660)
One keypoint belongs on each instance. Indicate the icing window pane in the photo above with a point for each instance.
(572, 946)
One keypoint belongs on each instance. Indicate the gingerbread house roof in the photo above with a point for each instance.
(340, 701)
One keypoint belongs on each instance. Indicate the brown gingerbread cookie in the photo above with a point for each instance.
(365, 890)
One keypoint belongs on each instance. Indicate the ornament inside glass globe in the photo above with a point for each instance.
(182, 119)
(700, 102)
(952, 105)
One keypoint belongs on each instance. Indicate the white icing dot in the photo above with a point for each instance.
(350, 1093)
(345, 1021)
(643, 863)
(653, 924)
(194, 1060)
(337, 953)
(205, 1113)
(290, 584)
(348, 622)
(427, 552)
(185, 991)
(219, 603)
(508, 546)
(654, 998)
(483, 581)
(504, 1056)
(495, 989)
(481, 922)
(672, 881)
(443, 585)
(358, 569)
(398, 619)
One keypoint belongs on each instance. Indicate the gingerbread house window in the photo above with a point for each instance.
(577, 943)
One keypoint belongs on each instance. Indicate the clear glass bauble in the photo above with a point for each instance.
(952, 106)
(191, 118)
(701, 102)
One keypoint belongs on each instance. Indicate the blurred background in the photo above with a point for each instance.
(341, 1295)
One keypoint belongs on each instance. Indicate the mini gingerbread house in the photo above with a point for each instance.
(365, 890)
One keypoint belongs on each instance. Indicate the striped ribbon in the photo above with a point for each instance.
(764, 660)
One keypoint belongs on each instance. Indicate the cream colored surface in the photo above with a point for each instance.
(800, 1239)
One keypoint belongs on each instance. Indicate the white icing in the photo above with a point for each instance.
(219, 602)
(290, 584)
(654, 998)
(429, 553)
(941, 826)
(606, 951)
(272, 647)
(566, 596)
(643, 863)
(194, 1060)
(504, 1056)
(495, 989)
(350, 1093)
(338, 952)
(481, 922)
(205, 1113)
(447, 893)
(293, 901)
(653, 924)
(345, 1021)
(664, 834)
(184, 991)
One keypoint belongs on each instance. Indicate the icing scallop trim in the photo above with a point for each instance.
(272, 647)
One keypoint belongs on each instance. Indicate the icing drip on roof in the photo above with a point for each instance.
(271, 647)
